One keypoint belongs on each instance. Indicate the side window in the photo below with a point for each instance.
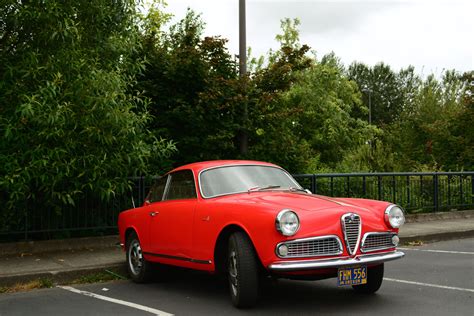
(157, 190)
(181, 186)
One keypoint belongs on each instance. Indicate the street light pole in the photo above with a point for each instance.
(369, 92)
(370, 107)
(242, 73)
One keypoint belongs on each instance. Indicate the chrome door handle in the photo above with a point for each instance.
(153, 214)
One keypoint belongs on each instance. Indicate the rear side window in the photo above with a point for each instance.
(157, 190)
(181, 186)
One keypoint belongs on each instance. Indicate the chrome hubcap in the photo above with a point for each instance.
(233, 271)
(135, 257)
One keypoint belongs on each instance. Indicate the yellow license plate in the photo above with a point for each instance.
(352, 275)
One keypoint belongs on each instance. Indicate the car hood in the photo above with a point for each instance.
(311, 209)
(294, 200)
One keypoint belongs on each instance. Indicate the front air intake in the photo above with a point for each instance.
(351, 227)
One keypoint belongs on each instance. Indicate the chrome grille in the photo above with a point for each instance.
(377, 241)
(351, 225)
(313, 247)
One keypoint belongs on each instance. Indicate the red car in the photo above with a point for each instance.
(249, 219)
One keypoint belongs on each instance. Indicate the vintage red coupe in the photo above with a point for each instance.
(250, 219)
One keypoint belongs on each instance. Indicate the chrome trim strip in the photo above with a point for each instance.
(240, 165)
(376, 249)
(334, 263)
(177, 258)
(343, 223)
(310, 239)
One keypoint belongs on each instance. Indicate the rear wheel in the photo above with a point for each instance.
(242, 271)
(138, 268)
(374, 280)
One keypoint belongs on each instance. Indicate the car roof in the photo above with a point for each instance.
(198, 166)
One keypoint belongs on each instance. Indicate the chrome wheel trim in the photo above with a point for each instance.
(233, 274)
(135, 257)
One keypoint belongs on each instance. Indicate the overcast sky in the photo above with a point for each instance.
(431, 35)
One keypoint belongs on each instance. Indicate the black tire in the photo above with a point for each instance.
(242, 269)
(374, 280)
(138, 268)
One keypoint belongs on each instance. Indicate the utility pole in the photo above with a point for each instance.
(242, 40)
(243, 137)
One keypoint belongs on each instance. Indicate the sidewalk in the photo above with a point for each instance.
(63, 261)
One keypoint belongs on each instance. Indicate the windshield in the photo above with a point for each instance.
(237, 179)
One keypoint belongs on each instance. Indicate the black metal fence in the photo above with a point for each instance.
(416, 192)
(90, 216)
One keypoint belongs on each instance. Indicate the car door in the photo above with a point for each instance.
(150, 209)
(171, 225)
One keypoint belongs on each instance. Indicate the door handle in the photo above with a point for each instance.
(153, 214)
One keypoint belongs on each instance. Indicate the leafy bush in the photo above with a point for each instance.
(68, 116)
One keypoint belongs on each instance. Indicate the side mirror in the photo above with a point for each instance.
(308, 191)
(146, 202)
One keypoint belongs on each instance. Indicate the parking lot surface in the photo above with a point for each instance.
(433, 279)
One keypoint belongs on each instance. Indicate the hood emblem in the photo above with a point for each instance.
(351, 218)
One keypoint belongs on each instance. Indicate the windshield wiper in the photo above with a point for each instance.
(258, 188)
(293, 189)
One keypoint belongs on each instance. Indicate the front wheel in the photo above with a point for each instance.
(242, 271)
(374, 280)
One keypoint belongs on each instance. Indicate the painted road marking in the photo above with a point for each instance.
(439, 251)
(430, 285)
(116, 301)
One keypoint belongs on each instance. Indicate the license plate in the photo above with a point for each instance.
(352, 275)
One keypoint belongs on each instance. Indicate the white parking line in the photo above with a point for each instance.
(439, 251)
(430, 285)
(116, 301)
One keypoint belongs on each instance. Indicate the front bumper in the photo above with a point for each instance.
(334, 263)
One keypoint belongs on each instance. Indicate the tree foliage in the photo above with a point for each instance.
(436, 131)
(68, 117)
(379, 83)
(192, 85)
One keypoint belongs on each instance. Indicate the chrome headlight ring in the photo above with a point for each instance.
(394, 216)
(287, 222)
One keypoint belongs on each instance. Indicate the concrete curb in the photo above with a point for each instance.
(58, 245)
(439, 216)
(429, 238)
(62, 277)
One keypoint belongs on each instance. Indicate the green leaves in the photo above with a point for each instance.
(71, 120)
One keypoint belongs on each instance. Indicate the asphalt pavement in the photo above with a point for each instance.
(433, 279)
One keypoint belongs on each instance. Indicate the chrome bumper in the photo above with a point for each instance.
(334, 263)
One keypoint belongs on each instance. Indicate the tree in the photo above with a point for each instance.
(381, 85)
(435, 132)
(327, 99)
(68, 119)
(271, 120)
(193, 89)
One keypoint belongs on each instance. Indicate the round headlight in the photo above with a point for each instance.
(394, 216)
(287, 222)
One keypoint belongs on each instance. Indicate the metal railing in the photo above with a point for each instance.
(90, 216)
(415, 192)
